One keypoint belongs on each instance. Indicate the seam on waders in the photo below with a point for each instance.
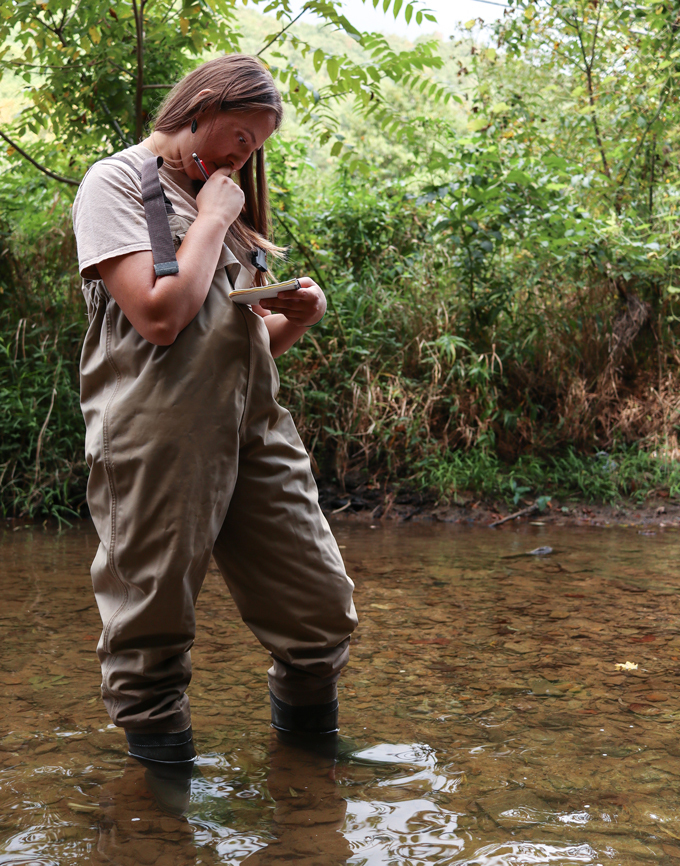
(108, 466)
(250, 368)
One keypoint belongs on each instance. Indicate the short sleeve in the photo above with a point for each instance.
(108, 216)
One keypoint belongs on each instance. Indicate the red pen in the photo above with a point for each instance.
(201, 165)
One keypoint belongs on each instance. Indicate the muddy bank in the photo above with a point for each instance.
(363, 503)
(379, 504)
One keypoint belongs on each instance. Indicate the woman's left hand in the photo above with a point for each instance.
(302, 307)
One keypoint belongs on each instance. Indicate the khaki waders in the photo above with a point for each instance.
(190, 455)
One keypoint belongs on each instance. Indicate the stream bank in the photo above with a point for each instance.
(365, 504)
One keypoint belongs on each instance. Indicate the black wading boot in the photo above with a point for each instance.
(165, 748)
(169, 762)
(313, 727)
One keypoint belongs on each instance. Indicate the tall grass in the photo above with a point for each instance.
(625, 475)
(42, 466)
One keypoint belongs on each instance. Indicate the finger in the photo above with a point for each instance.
(291, 304)
(294, 294)
(282, 297)
(294, 317)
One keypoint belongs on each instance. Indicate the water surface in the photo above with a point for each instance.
(499, 708)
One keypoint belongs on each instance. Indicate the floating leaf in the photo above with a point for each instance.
(83, 807)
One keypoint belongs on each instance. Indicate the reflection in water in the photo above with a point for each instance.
(503, 710)
(143, 818)
(309, 813)
(132, 829)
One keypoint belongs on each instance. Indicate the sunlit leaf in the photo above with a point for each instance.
(333, 68)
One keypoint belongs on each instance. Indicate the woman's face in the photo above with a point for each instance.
(227, 139)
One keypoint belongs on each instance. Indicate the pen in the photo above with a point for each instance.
(201, 165)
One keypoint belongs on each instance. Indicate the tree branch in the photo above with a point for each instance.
(310, 258)
(122, 69)
(115, 124)
(57, 32)
(525, 512)
(644, 135)
(21, 65)
(139, 29)
(591, 99)
(37, 164)
(44, 24)
(281, 32)
(66, 21)
(595, 34)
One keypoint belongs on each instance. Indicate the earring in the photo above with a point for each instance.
(194, 125)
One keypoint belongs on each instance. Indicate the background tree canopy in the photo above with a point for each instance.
(94, 72)
(492, 218)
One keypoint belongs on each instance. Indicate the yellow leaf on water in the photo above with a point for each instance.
(82, 807)
(628, 666)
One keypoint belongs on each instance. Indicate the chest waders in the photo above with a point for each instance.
(190, 456)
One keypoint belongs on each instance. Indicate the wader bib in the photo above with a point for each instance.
(190, 455)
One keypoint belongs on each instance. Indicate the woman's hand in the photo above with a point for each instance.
(220, 198)
(302, 307)
(160, 307)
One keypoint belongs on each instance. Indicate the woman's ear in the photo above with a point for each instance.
(199, 99)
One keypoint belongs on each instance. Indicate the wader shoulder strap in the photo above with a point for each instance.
(156, 208)
(162, 247)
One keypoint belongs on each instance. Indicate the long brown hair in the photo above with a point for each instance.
(236, 82)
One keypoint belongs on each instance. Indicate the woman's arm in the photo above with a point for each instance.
(295, 312)
(160, 307)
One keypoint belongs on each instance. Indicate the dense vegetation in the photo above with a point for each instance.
(492, 218)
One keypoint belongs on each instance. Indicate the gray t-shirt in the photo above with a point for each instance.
(109, 220)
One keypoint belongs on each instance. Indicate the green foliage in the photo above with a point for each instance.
(41, 428)
(90, 82)
(610, 478)
(494, 229)
(609, 76)
(93, 72)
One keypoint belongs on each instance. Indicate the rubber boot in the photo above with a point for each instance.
(170, 784)
(169, 762)
(313, 728)
(163, 748)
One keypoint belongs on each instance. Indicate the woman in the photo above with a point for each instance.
(189, 453)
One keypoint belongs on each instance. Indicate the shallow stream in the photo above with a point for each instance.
(501, 708)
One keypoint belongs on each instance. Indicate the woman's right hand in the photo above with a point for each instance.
(160, 307)
(220, 198)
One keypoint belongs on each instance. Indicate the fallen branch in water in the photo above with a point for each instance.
(525, 512)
